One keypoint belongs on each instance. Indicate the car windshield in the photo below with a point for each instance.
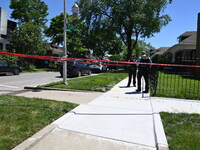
(74, 62)
(3, 63)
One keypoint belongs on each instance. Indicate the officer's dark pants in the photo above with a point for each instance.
(131, 74)
(145, 73)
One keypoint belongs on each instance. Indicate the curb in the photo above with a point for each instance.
(38, 88)
(160, 134)
(33, 140)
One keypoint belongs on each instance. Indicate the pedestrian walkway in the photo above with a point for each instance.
(118, 119)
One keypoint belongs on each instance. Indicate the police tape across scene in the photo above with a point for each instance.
(93, 61)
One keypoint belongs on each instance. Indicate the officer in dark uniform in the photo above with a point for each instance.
(143, 70)
(132, 72)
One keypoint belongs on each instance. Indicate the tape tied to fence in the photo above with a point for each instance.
(92, 61)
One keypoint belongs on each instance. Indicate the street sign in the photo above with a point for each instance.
(73, 27)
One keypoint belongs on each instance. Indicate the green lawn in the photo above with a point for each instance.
(177, 86)
(102, 82)
(182, 130)
(22, 117)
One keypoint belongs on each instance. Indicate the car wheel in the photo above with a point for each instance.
(79, 74)
(16, 71)
(90, 72)
(61, 74)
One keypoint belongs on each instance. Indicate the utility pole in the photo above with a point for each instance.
(65, 47)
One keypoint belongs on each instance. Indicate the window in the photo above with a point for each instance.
(1, 46)
(3, 63)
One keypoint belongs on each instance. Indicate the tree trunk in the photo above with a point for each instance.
(134, 45)
(129, 44)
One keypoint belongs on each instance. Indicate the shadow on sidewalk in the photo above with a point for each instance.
(126, 87)
(133, 92)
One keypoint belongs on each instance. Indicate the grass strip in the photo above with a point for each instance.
(178, 86)
(182, 130)
(22, 117)
(101, 83)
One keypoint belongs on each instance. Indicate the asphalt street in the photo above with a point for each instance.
(9, 84)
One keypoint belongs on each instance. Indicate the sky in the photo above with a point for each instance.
(183, 13)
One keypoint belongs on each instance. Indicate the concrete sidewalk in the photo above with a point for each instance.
(118, 119)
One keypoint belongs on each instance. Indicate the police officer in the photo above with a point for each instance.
(132, 71)
(143, 70)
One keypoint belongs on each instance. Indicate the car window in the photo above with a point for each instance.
(80, 64)
(70, 63)
(3, 63)
(87, 65)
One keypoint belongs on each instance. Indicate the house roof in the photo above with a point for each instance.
(153, 51)
(160, 51)
(190, 40)
(188, 33)
(55, 49)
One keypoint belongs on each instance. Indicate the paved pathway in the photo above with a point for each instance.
(117, 120)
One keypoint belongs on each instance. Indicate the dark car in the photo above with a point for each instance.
(76, 68)
(6, 68)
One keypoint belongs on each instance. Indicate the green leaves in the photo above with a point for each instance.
(27, 39)
(129, 19)
(9, 59)
(29, 10)
(74, 37)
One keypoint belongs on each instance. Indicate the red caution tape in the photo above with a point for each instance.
(93, 61)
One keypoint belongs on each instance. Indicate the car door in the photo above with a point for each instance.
(88, 68)
(83, 67)
(4, 66)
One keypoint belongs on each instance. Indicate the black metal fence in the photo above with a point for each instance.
(176, 82)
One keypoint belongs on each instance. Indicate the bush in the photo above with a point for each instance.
(10, 59)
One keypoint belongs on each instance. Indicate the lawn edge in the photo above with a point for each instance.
(160, 133)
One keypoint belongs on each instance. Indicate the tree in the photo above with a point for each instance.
(103, 42)
(29, 10)
(27, 39)
(128, 18)
(116, 57)
(74, 36)
(141, 46)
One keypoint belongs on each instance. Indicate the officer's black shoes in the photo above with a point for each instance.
(128, 86)
(138, 90)
(145, 91)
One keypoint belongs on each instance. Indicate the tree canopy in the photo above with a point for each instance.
(29, 10)
(27, 39)
(74, 36)
(129, 19)
(102, 42)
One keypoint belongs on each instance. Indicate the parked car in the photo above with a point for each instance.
(98, 67)
(6, 68)
(76, 68)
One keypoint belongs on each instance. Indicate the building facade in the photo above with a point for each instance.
(198, 41)
(6, 26)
